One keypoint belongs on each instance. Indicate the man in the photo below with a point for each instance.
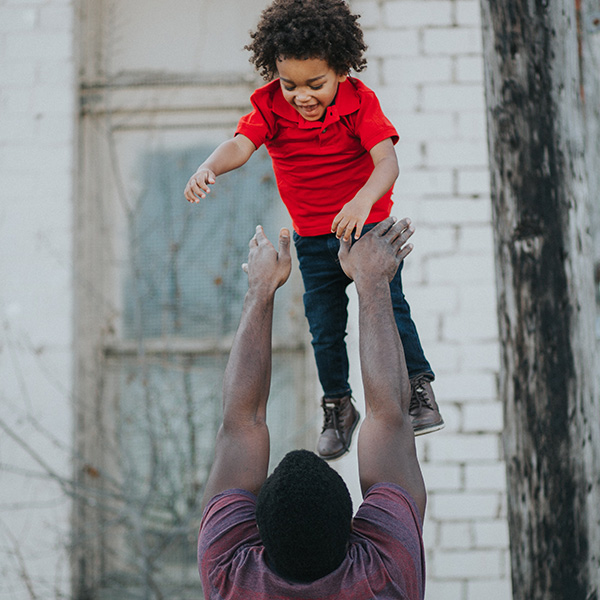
(292, 535)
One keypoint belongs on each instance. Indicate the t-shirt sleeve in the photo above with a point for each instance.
(371, 125)
(228, 524)
(257, 125)
(390, 520)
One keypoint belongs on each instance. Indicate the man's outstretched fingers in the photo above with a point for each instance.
(284, 243)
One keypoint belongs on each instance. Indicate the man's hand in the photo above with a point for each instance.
(379, 252)
(266, 267)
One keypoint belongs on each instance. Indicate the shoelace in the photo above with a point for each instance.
(332, 413)
(419, 397)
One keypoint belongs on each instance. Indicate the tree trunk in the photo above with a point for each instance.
(545, 294)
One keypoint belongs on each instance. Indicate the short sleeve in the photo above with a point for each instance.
(228, 523)
(258, 125)
(370, 124)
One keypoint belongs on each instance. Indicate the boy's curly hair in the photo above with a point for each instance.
(302, 29)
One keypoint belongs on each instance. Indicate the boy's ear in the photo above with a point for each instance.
(342, 77)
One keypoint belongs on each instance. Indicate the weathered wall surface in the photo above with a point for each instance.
(425, 64)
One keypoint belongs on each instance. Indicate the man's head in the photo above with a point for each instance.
(304, 514)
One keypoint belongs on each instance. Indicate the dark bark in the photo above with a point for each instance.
(545, 296)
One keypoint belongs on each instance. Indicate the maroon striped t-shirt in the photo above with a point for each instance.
(385, 559)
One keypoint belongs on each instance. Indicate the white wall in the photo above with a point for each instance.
(425, 64)
(37, 114)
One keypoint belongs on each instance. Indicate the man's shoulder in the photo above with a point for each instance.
(386, 501)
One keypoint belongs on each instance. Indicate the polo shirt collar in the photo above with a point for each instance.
(346, 102)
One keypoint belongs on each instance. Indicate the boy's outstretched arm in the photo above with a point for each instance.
(354, 213)
(242, 446)
(386, 441)
(228, 156)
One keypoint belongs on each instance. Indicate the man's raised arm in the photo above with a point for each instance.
(386, 443)
(242, 447)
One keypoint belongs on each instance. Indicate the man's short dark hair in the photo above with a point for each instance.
(304, 515)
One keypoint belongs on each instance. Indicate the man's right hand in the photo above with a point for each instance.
(379, 252)
(268, 268)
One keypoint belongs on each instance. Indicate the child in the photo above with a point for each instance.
(333, 156)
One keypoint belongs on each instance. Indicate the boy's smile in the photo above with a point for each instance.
(309, 85)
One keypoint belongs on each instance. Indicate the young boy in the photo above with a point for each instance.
(333, 156)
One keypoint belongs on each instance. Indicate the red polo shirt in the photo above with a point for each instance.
(320, 165)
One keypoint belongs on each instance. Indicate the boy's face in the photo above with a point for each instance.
(309, 85)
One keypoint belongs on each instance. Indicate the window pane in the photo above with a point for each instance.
(184, 274)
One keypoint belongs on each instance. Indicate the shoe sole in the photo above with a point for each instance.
(429, 428)
(343, 450)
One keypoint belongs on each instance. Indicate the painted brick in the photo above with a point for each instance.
(17, 18)
(451, 97)
(478, 298)
(474, 182)
(483, 417)
(453, 211)
(463, 448)
(441, 477)
(444, 590)
(410, 154)
(415, 13)
(469, 69)
(448, 507)
(17, 100)
(455, 41)
(481, 356)
(473, 268)
(481, 326)
(422, 126)
(468, 13)
(443, 357)
(491, 534)
(37, 45)
(456, 153)
(56, 17)
(492, 589)
(457, 536)
(427, 182)
(472, 125)
(398, 99)
(475, 564)
(16, 128)
(53, 99)
(417, 70)
(490, 477)
(388, 43)
(431, 299)
(369, 12)
(17, 73)
(469, 387)
(476, 238)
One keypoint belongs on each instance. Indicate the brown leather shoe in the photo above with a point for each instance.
(423, 410)
(339, 422)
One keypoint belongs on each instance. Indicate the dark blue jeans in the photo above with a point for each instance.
(326, 308)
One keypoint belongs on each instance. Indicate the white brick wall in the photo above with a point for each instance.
(425, 63)
(36, 170)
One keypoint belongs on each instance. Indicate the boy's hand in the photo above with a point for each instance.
(197, 186)
(352, 216)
